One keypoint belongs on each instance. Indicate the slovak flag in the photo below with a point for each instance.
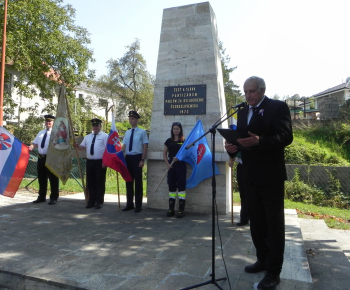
(198, 156)
(113, 156)
(14, 156)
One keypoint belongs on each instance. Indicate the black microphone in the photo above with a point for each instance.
(241, 105)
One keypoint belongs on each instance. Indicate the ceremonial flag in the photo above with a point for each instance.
(59, 156)
(14, 156)
(113, 156)
(233, 120)
(198, 156)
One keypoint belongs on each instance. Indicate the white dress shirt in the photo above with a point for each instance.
(99, 147)
(39, 138)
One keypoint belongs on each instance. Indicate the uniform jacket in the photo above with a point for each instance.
(264, 164)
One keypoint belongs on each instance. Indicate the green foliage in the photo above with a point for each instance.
(301, 151)
(319, 211)
(297, 190)
(29, 129)
(232, 94)
(132, 83)
(332, 135)
(335, 197)
(45, 47)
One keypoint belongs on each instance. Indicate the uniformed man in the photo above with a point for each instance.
(95, 144)
(41, 142)
(135, 144)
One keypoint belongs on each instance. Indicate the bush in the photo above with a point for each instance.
(297, 190)
(303, 152)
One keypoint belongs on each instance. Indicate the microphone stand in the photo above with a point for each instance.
(212, 130)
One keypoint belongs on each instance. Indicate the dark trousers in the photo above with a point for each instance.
(244, 206)
(132, 163)
(43, 174)
(267, 227)
(96, 178)
(177, 176)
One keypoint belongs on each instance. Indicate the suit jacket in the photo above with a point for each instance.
(264, 164)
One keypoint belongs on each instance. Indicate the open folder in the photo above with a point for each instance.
(231, 136)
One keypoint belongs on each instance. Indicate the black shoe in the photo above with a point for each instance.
(257, 267)
(180, 214)
(127, 208)
(98, 205)
(170, 213)
(39, 200)
(242, 223)
(52, 201)
(89, 205)
(269, 282)
(137, 210)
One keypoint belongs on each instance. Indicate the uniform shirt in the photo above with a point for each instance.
(173, 147)
(39, 138)
(99, 147)
(140, 138)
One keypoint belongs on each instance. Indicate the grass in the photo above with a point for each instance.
(72, 186)
(335, 218)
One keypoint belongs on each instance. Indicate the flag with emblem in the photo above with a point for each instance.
(14, 156)
(113, 156)
(59, 153)
(198, 156)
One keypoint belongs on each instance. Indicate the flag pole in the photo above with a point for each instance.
(118, 189)
(3, 66)
(232, 184)
(76, 150)
(164, 176)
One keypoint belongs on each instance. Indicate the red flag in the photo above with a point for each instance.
(113, 156)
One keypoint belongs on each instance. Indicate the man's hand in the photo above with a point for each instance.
(230, 147)
(253, 140)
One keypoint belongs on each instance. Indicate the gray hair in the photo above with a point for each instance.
(259, 81)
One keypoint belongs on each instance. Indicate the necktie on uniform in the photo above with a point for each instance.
(44, 139)
(92, 145)
(131, 140)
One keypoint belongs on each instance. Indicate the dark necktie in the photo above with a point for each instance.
(44, 139)
(92, 145)
(131, 140)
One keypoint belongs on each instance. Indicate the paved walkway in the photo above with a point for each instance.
(66, 246)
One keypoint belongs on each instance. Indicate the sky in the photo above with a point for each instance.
(298, 47)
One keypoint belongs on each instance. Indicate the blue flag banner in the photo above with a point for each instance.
(198, 156)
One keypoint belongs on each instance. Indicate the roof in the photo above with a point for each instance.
(340, 87)
(86, 87)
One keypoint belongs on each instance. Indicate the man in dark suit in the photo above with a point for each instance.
(265, 129)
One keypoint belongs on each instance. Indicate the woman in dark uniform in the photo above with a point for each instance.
(177, 170)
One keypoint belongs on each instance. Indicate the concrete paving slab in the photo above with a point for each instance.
(66, 246)
(330, 267)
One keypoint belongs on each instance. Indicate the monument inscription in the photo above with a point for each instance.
(185, 100)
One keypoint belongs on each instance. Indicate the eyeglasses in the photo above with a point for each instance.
(95, 125)
(177, 123)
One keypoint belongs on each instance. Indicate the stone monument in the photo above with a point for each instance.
(188, 87)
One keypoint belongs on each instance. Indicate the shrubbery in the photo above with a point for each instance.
(320, 145)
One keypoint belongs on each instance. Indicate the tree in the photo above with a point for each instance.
(45, 47)
(133, 83)
(108, 90)
(232, 94)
